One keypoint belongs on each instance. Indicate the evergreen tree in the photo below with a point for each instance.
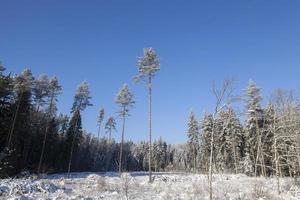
(74, 137)
(19, 134)
(110, 126)
(159, 154)
(53, 91)
(254, 122)
(39, 94)
(193, 138)
(206, 126)
(22, 86)
(99, 122)
(148, 65)
(81, 101)
(233, 131)
(41, 91)
(6, 111)
(125, 100)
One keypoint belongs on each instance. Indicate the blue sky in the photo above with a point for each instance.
(197, 41)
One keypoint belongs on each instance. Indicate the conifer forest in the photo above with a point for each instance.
(175, 100)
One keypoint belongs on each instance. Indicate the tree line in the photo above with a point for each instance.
(259, 141)
(35, 138)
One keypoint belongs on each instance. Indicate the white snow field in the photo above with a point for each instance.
(135, 185)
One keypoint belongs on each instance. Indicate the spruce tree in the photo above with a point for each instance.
(193, 138)
(233, 140)
(253, 128)
(206, 126)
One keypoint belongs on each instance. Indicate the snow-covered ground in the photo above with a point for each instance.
(135, 186)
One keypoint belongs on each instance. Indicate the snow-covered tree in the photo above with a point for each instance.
(100, 120)
(206, 126)
(229, 141)
(110, 126)
(40, 91)
(53, 90)
(193, 138)
(124, 99)
(222, 96)
(81, 101)
(22, 86)
(159, 154)
(147, 66)
(254, 123)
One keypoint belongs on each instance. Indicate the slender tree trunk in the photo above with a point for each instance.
(45, 135)
(150, 127)
(109, 137)
(258, 152)
(258, 145)
(73, 143)
(277, 165)
(211, 160)
(121, 148)
(14, 121)
(98, 138)
(28, 143)
(235, 159)
(194, 155)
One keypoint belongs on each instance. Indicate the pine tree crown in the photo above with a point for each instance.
(147, 64)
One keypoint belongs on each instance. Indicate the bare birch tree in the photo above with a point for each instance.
(222, 96)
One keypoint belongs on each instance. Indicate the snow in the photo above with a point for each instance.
(136, 186)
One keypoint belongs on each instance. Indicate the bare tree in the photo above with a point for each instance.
(222, 96)
(147, 66)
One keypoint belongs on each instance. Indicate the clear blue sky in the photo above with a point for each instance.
(197, 41)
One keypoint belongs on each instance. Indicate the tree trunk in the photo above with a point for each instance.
(98, 138)
(211, 160)
(150, 127)
(45, 135)
(277, 165)
(14, 121)
(235, 158)
(194, 155)
(28, 143)
(121, 148)
(109, 137)
(72, 146)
